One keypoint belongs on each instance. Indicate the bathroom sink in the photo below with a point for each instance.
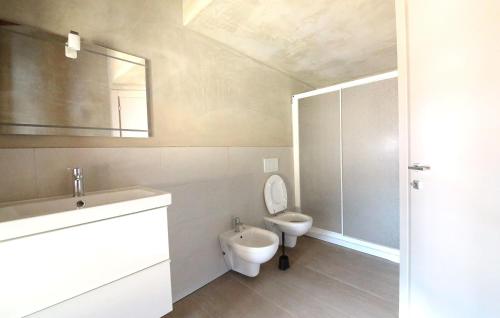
(66, 255)
(29, 217)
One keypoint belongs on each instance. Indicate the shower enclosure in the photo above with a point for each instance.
(346, 162)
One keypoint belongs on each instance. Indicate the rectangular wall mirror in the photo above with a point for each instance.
(42, 92)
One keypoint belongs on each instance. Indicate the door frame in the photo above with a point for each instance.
(404, 159)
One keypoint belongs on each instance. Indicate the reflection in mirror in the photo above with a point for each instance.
(101, 93)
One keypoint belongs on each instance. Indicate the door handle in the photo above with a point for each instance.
(419, 167)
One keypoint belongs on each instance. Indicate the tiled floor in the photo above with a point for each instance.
(324, 280)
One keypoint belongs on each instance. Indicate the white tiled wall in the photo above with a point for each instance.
(208, 184)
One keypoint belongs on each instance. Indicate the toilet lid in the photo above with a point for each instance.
(275, 194)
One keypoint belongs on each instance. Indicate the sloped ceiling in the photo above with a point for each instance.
(320, 42)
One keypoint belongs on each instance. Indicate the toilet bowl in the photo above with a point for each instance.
(244, 251)
(293, 224)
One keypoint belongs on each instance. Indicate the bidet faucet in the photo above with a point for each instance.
(78, 186)
(237, 224)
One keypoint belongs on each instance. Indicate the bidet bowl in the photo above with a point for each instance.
(292, 223)
(254, 245)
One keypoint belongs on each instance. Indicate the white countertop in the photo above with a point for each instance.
(30, 217)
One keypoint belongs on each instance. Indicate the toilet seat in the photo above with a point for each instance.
(275, 194)
(292, 217)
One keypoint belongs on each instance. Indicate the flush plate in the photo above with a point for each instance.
(270, 164)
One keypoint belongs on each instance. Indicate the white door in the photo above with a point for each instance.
(130, 112)
(454, 127)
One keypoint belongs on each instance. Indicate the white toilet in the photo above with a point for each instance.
(293, 224)
(245, 250)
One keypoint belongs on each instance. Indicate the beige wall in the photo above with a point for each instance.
(203, 93)
(209, 186)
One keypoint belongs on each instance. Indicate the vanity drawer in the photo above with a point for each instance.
(146, 294)
(44, 269)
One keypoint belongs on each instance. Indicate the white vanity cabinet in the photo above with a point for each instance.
(107, 259)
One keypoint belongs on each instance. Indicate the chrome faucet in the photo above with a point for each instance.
(78, 186)
(237, 224)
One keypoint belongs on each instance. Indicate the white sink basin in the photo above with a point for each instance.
(35, 216)
(60, 260)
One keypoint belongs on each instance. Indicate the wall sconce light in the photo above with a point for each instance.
(73, 45)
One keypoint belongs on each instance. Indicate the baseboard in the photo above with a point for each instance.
(388, 253)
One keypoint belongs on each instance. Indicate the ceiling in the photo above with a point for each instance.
(320, 42)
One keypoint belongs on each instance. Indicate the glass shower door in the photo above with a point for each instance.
(319, 148)
(370, 162)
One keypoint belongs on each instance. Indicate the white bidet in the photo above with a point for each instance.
(245, 250)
